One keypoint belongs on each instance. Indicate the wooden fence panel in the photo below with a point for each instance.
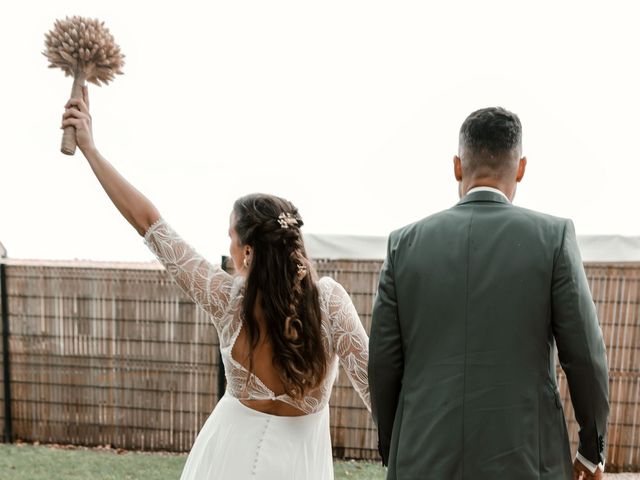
(352, 430)
(2, 399)
(616, 293)
(108, 356)
(120, 356)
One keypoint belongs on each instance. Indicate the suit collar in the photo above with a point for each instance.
(483, 196)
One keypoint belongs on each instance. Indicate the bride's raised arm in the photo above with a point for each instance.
(132, 204)
(206, 284)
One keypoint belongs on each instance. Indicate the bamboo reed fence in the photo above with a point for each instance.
(117, 354)
(4, 354)
(616, 293)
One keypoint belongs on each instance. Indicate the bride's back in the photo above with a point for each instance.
(281, 331)
(262, 366)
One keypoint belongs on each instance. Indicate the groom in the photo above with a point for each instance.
(470, 305)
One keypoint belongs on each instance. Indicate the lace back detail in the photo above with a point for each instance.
(220, 295)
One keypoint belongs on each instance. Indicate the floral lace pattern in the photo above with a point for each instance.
(220, 296)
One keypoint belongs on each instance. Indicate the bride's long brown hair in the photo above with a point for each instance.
(283, 280)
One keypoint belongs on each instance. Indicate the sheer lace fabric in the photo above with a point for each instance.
(220, 296)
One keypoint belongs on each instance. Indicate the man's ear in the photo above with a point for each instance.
(457, 168)
(522, 166)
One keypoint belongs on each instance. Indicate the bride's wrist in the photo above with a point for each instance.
(90, 153)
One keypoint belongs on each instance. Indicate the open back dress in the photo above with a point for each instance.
(237, 442)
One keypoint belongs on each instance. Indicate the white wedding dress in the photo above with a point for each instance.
(237, 442)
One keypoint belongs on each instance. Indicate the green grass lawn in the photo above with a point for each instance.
(29, 462)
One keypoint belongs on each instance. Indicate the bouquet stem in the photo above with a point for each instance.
(69, 135)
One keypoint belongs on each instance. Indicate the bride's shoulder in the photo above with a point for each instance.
(326, 283)
(329, 289)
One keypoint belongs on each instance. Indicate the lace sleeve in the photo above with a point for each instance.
(350, 341)
(206, 284)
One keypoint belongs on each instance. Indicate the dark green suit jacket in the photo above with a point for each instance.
(470, 305)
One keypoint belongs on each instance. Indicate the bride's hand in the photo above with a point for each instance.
(77, 114)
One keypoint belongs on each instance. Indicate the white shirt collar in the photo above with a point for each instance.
(488, 189)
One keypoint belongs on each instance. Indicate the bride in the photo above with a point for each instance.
(282, 330)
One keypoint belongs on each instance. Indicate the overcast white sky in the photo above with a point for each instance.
(350, 109)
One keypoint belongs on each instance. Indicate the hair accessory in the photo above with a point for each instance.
(286, 220)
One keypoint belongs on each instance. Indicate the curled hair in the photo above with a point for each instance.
(491, 138)
(282, 280)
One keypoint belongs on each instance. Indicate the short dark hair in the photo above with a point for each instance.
(490, 137)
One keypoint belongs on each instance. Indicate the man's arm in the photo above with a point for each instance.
(580, 347)
(386, 358)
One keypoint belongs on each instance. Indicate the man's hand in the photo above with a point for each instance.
(580, 472)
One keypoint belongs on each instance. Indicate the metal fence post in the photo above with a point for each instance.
(222, 384)
(8, 418)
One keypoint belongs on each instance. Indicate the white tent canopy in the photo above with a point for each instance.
(594, 248)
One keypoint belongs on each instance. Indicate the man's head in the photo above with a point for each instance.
(490, 151)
